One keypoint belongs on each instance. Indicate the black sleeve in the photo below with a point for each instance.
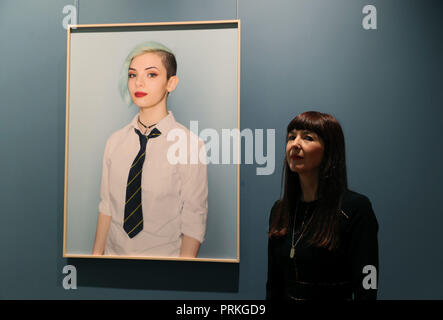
(363, 251)
(275, 281)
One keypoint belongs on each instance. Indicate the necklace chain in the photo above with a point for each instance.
(292, 252)
(145, 126)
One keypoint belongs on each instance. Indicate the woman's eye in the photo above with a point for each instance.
(290, 138)
(131, 75)
(309, 138)
(152, 75)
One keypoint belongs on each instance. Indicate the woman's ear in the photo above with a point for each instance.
(172, 83)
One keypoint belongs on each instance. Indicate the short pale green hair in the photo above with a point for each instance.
(168, 60)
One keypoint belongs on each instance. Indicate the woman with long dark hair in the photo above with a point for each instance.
(322, 236)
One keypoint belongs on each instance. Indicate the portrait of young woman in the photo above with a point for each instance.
(322, 236)
(142, 102)
(149, 206)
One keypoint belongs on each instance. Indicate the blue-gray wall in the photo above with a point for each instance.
(384, 85)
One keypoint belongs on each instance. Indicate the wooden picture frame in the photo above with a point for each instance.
(208, 56)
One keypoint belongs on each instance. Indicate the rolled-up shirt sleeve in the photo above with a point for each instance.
(104, 205)
(194, 195)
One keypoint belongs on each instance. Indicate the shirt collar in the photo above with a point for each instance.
(164, 125)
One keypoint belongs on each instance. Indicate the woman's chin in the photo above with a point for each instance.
(143, 106)
(295, 168)
(300, 169)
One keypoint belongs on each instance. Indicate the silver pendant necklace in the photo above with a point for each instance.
(293, 245)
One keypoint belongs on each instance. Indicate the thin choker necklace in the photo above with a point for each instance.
(146, 127)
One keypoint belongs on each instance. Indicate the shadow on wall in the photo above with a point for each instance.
(157, 275)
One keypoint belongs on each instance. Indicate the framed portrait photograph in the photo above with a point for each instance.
(152, 145)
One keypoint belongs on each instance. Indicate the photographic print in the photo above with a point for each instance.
(146, 108)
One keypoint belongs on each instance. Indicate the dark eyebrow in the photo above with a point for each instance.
(145, 68)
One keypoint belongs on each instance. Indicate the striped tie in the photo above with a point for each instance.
(133, 222)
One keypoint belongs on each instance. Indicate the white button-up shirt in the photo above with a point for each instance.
(174, 196)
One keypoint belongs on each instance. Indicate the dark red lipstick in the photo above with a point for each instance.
(140, 94)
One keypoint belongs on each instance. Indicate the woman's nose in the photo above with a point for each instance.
(296, 144)
(138, 81)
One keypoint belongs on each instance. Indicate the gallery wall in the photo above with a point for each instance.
(383, 85)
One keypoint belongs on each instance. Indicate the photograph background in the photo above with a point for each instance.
(383, 85)
(207, 68)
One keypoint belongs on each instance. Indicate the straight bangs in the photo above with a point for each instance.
(309, 120)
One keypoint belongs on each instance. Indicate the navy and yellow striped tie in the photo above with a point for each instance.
(133, 221)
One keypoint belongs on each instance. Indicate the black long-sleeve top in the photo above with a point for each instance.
(316, 273)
